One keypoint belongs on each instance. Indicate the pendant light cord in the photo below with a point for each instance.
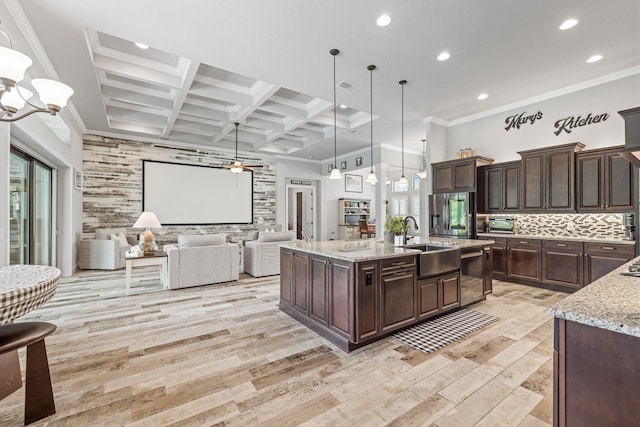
(402, 83)
(371, 68)
(334, 52)
(236, 124)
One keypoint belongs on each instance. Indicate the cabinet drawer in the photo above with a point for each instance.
(562, 245)
(604, 248)
(525, 243)
(392, 264)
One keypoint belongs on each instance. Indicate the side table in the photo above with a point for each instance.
(159, 258)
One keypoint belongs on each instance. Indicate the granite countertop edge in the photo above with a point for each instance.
(608, 240)
(611, 302)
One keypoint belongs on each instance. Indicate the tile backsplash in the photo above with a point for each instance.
(602, 225)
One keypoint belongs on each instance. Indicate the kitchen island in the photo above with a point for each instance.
(596, 348)
(356, 292)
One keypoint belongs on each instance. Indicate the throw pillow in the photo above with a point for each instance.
(124, 243)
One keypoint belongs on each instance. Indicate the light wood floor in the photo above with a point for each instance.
(225, 355)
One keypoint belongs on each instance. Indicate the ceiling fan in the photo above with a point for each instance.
(236, 166)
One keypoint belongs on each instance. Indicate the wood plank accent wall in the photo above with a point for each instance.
(112, 188)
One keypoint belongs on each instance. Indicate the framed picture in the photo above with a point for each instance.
(352, 183)
(358, 161)
(77, 179)
(343, 165)
(330, 168)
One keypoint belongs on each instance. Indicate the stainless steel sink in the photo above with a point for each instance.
(436, 260)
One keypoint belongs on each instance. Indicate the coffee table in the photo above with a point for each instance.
(159, 258)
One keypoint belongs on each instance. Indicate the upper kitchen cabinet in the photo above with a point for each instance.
(457, 175)
(548, 178)
(499, 187)
(605, 181)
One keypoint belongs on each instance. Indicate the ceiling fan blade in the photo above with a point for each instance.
(253, 166)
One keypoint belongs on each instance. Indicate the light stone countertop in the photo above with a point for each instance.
(611, 302)
(607, 240)
(371, 249)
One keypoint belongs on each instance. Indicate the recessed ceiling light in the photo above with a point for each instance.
(142, 45)
(483, 96)
(569, 23)
(444, 56)
(343, 106)
(383, 20)
(594, 58)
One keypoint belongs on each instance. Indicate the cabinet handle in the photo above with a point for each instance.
(561, 245)
(524, 243)
(607, 248)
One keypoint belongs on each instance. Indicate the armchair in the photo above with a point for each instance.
(262, 256)
(201, 260)
(104, 252)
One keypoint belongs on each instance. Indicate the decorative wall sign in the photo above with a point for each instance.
(352, 183)
(300, 182)
(567, 124)
(343, 165)
(330, 168)
(515, 121)
(358, 161)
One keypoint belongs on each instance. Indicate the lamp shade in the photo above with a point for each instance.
(13, 99)
(335, 174)
(147, 220)
(52, 92)
(13, 64)
(371, 179)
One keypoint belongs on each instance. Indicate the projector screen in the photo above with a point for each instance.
(181, 194)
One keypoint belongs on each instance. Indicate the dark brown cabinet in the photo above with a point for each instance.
(562, 263)
(286, 275)
(438, 294)
(498, 258)
(499, 187)
(397, 289)
(368, 301)
(548, 178)
(487, 277)
(605, 181)
(524, 259)
(595, 376)
(457, 175)
(300, 281)
(318, 309)
(601, 258)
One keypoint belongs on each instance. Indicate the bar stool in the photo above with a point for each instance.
(38, 392)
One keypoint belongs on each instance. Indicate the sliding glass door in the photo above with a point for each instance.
(30, 227)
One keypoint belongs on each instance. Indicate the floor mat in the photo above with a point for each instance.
(434, 334)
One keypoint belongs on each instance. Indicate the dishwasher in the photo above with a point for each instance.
(472, 277)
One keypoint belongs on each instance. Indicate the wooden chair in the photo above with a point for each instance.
(363, 228)
(38, 392)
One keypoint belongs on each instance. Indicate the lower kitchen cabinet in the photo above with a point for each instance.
(487, 278)
(397, 288)
(438, 294)
(601, 258)
(565, 265)
(524, 259)
(368, 301)
(562, 263)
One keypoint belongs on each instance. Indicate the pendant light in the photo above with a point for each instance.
(372, 179)
(402, 180)
(236, 166)
(335, 172)
(423, 164)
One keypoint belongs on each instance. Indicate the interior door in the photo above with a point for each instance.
(299, 232)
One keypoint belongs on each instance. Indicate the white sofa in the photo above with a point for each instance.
(104, 253)
(202, 260)
(262, 256)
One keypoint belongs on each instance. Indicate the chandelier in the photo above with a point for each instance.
(13, 65)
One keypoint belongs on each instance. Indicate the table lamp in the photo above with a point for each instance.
(148, 220)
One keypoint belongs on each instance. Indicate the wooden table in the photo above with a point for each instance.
(159, 258)
(22, 289)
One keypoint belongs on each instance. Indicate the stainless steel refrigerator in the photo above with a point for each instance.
(452, 215)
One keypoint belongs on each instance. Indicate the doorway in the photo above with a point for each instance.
(30, 224)
(301, 211)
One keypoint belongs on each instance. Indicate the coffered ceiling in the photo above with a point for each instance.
(266, 64)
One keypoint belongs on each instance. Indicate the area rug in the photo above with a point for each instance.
(434, 334)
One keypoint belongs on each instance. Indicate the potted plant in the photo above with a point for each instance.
(393, 226)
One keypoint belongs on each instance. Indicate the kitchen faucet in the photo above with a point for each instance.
(406, 220)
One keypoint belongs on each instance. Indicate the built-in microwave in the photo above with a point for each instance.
(501, 225)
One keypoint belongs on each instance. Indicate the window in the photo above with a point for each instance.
(397, 187)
